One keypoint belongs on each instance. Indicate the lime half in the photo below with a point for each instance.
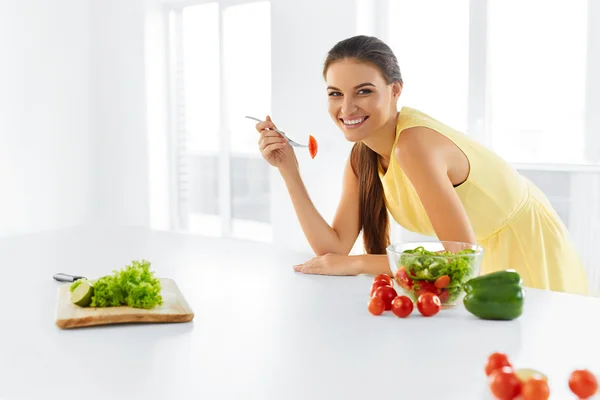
(526, 373)
(82, 294)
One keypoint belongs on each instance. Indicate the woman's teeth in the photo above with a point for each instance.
(354, 122)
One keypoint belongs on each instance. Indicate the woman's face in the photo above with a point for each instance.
(360, 101)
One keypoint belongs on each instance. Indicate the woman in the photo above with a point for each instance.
(432, 179)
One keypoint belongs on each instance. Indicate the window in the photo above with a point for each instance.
(537, 76)
(218, 76)
(433, 52)
(513, 74)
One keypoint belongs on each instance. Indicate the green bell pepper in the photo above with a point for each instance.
(495, 296)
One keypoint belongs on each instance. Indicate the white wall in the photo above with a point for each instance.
(119, 112)
(45, 116)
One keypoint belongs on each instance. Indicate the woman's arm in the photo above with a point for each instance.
(323, 239)
(426, 156)
(338, 264)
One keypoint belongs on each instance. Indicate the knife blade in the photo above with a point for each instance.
(62, 277)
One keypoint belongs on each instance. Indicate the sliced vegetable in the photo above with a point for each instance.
(75, 284)
(583, 383)
(527, 373)
(442, 282)
(312, 146)
(402, 306)
(495, 296)
(82, 293)
(429, 304)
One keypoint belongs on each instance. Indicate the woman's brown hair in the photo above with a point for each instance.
(373, 216)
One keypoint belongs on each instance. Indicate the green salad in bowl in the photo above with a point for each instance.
(441, 268)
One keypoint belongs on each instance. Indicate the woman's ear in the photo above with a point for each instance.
(396, 90)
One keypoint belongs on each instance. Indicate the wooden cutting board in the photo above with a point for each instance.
(174, 309)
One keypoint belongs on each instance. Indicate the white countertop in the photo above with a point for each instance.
(261, 331)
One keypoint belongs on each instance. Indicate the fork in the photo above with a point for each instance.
(290, 141)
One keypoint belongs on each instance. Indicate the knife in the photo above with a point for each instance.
(62, 277)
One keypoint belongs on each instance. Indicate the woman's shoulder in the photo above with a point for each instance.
(420, 144)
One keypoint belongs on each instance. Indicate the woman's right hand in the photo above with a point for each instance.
(274, 148)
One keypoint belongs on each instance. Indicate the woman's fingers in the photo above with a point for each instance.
(310, 267)
(267, 141)
(267, 124)
(268, 134)
(268, 150)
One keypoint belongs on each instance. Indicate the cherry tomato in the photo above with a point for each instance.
(376, 305)
(428, 304)
(384, 277)
(444, 295)
(403, 279)
(535, 389)
(442, 282)
(583, 383)
(402, 306)
(496, 361)
(387, 294)
(504, 384)
(376, 285)
(426, 287)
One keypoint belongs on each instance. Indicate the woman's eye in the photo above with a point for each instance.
(334, 94)
(365, 91)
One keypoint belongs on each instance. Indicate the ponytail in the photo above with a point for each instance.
(373, 214)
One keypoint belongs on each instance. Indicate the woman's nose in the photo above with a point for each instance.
(348, 106)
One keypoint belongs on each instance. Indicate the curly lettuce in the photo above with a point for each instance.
(134, 286)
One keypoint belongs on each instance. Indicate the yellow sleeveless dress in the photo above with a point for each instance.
(513, 220)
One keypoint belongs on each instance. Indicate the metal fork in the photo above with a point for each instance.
(290, 141)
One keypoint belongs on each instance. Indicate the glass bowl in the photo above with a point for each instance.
(440, 267)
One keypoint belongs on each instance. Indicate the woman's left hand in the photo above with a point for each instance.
(329, 264)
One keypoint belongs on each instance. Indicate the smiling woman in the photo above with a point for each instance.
(432, 179)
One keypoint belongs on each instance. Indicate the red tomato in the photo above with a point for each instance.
(387, 294)
(426, 287)
(384, 277)
(583, 383)
(496, 361)
(376, 285)
(444, 295)
(504, 384)
(535, 389)
(376, 306)
(403, 279)
(442, 282)
(428, 304)
(312, 146)
(402, 306)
